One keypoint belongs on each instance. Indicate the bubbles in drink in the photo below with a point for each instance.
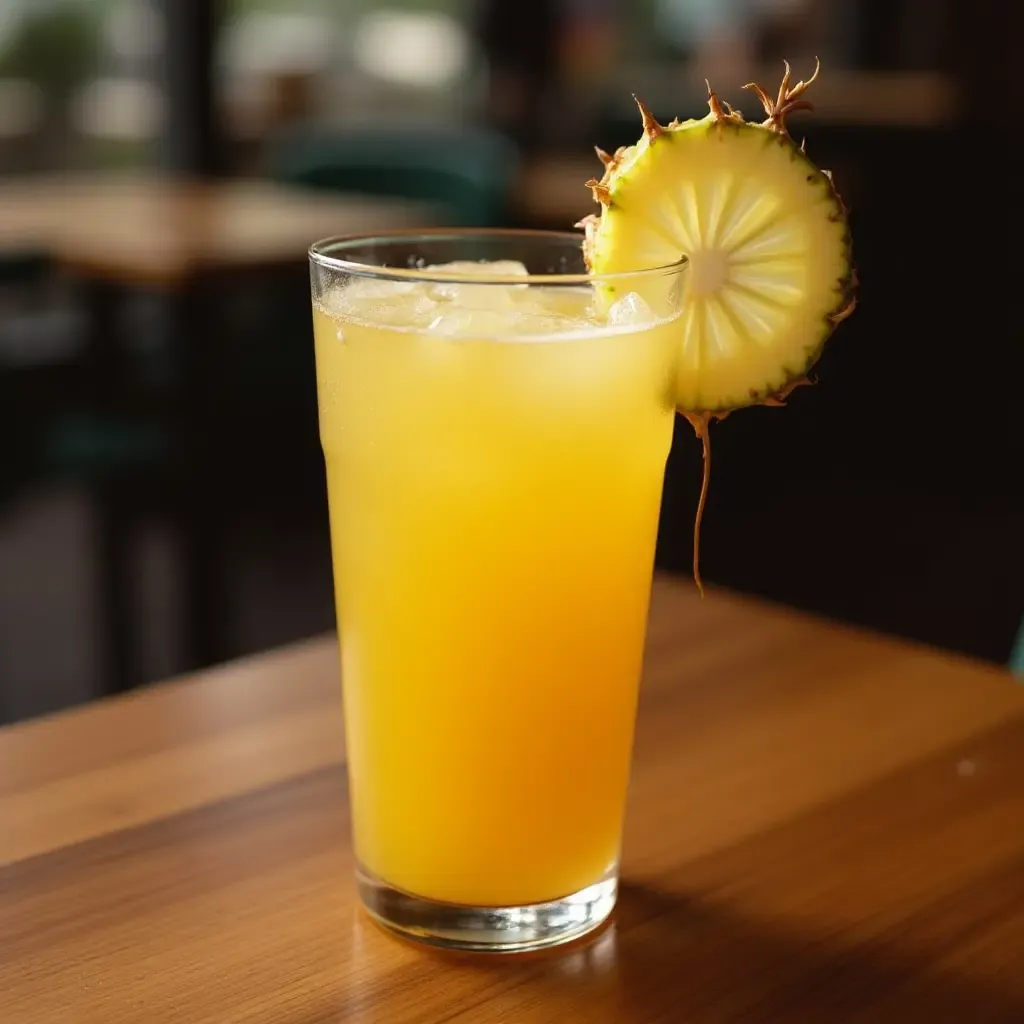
(631, 309)
(467, 268)
(466, 309)
(476, 296)
(457, 322)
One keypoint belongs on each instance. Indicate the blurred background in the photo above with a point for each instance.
(164, 162)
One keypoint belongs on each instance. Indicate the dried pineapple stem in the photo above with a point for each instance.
(788, 99)
(700, 423)
(720, 110)
(839, 316)
(601, 192)
(651, 127)
(714, 103)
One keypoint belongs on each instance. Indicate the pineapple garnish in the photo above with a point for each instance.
(766, 233)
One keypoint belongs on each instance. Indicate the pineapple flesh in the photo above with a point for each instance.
(767, 238)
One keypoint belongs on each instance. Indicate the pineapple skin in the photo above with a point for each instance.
(662, 160)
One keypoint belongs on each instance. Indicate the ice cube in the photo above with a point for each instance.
(378, 287)
(489, 324)
(557, 300)
(630, 310)
(481, 268)
(471, 323)
(496, 297)
(378, 301)
(477, 296)
(356, 292)
(540, 325)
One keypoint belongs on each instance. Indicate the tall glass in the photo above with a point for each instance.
(495, 447)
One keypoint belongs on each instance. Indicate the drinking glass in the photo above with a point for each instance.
(495, 423)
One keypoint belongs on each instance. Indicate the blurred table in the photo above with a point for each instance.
(165, 233)
(183, 238)
(823, 826)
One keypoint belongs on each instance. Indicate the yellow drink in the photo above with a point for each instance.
(494, 507)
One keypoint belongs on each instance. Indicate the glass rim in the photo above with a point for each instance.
(320, 255)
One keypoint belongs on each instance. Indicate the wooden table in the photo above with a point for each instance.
(823, 827)
(161, 232)
(184, 239)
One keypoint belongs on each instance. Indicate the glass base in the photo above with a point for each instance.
(489, 929)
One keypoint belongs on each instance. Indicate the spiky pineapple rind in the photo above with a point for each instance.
(612, 190)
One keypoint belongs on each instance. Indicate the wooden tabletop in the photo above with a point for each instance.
(160, 232)
(824, 827)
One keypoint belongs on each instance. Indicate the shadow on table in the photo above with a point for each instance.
(669, 959)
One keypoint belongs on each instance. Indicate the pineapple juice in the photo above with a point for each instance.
(494, 480)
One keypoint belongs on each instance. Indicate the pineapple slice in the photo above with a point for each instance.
(770, 271)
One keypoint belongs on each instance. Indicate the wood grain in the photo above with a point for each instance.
(145, 229)
(824, 826)
(168, 749)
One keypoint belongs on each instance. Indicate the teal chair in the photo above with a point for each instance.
(51, 421)
(1017, 654)
(467, 173)
(37, 340)
(52, 427)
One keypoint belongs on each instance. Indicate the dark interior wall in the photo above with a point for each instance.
(892, 494)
